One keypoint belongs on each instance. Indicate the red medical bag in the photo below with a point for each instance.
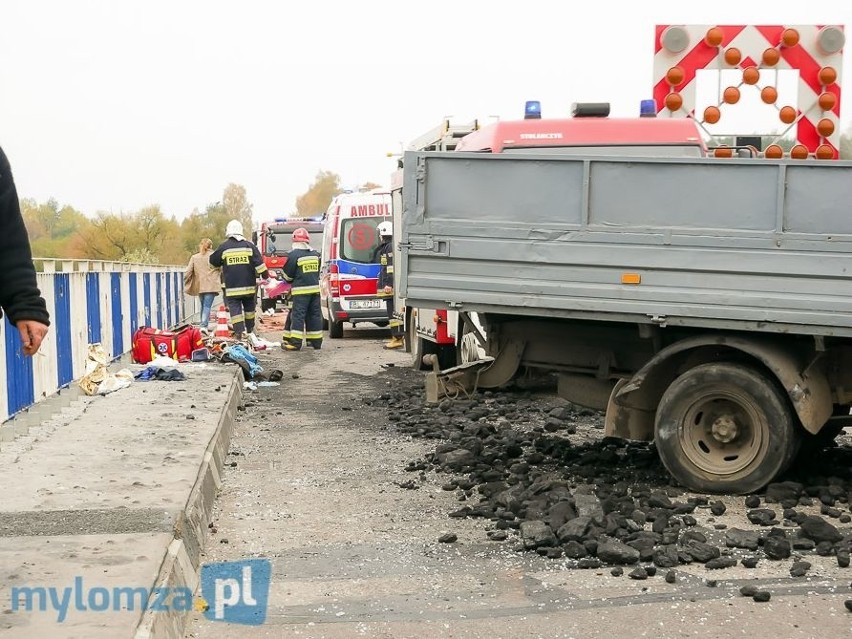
(178, 344)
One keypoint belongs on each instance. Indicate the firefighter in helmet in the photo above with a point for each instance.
(302, 271)
(384, 287)
(241, 265)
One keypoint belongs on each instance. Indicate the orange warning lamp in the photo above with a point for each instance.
(770, 57)
(733, 56)
(712, 115)
(825, 127)
(827, 75)
(731, 95)
(799, 152)
(790, 38)
(673, 101)
(827, 101)
(824, 152)
(714, 36)
(675, 76)
(751, 75)
(787, 114)
(723, 152)
(774, 152)
(769, 95)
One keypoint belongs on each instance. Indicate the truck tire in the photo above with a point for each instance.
(419, 347)
(468, 348)
(725, 428)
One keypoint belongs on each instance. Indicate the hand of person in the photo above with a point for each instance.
(32, 333)
(388, 290)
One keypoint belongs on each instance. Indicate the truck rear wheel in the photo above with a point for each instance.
(725, 428)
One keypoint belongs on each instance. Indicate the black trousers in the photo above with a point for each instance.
(306, 321)
(242, 311)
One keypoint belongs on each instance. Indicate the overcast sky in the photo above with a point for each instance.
(112, 105)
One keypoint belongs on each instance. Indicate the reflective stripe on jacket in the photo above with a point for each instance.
(302, 271)
(241, 265)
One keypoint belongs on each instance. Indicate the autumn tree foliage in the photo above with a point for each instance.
(149, 235)
(318, 196)
(144, 236)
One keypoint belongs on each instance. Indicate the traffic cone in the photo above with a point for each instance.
(222, 323)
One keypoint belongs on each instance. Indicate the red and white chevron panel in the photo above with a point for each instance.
(815, 51)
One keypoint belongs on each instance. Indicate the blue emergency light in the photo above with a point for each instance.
(532, 110)
(647, 109)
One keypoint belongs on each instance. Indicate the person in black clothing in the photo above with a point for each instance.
(20, 298)
(305, 316)
(384, 286)
(241, 265)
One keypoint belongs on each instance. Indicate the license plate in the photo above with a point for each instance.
(364, 304)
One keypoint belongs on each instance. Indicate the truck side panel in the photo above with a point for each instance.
(737, 244)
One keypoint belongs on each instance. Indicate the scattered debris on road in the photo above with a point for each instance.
(541, 475)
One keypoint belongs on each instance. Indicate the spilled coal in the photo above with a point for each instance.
(542, 477)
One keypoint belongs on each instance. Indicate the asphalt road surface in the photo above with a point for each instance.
(316, 483)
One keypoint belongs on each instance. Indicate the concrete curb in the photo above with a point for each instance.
(182, 561)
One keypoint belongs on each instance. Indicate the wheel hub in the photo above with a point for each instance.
(721, 433)
(724, 429)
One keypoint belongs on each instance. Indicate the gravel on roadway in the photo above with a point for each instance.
(505, 514)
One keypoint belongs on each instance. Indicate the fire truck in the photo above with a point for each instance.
(273, 240)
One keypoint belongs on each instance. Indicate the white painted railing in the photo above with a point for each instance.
(89, 302)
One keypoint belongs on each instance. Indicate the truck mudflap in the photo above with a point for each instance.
(630, 413)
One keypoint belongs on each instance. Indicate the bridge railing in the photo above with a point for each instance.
(89, 302)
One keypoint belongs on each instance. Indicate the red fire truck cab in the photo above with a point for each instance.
(274, 240)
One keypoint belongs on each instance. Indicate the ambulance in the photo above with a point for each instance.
(349, 264)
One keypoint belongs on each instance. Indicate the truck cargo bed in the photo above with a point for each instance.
(743, 244)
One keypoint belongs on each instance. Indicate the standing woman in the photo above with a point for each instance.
(201, 279)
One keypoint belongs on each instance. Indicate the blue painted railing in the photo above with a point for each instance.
(89, 302)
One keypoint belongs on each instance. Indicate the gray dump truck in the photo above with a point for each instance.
(705, 304)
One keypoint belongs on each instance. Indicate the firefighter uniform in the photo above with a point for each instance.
(241, 265)
(384, 254)
(305, 317)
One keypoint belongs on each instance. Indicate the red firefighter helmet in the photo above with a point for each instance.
(301, 235)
